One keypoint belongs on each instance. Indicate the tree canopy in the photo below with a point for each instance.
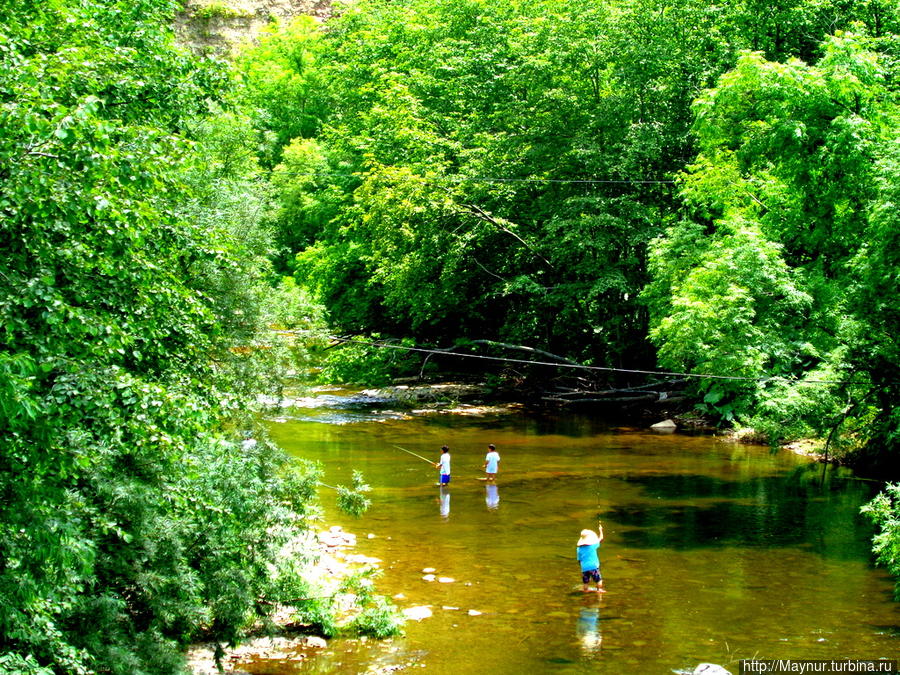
(762, 276)
(134, 274)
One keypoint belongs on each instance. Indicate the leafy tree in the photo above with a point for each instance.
(876, 350)
(283, 83)
(884, 512)
(133, 295)
(760, 279)
(437, 94)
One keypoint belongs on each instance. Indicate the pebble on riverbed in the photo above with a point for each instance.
(335, 537)
(418, 613)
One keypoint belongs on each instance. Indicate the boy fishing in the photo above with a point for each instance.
(444, 465)
(587, 546)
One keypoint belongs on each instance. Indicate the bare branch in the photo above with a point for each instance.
(525, 348)
(481, 214)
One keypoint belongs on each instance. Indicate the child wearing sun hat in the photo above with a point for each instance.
(588, 543)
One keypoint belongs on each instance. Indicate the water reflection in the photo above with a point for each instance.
(445, 501)
(689, 511)
(588, 630)
(492, 497)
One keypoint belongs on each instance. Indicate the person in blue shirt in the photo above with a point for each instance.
(588, 543)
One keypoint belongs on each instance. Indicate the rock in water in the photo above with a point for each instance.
(710, 669)
(417, 613)
(665, 424)
(315, 642)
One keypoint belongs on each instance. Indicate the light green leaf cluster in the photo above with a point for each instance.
(884, 512)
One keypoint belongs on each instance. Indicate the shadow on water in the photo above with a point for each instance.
(692, 511)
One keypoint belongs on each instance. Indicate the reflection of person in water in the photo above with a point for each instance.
(491, 496)
(445, 501)
(588, 629)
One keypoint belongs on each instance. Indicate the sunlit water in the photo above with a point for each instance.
(714, 551)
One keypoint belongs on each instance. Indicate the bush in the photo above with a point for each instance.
(380, 619)
(884, 511)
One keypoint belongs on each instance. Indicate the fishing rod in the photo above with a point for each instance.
(414, 455)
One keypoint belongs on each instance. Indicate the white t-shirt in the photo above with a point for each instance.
(445, 463)
(492, 459)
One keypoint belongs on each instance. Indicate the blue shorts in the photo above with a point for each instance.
(445, 478)
(591, 575)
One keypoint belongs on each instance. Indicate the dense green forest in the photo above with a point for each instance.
(698, 188)
(635, 183)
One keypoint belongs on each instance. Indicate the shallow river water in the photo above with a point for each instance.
(714, 551)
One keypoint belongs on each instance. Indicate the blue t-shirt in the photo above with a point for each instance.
(587, 556)
(492, 459)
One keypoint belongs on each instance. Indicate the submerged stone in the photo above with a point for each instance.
(417, 613)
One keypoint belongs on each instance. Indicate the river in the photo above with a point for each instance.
(714, 551)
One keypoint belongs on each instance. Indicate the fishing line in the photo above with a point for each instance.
(414, 455)
(489, 179)
(578, 366)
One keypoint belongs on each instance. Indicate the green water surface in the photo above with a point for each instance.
(714, 551)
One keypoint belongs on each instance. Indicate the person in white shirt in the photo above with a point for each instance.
(444, 465)
(491, 463)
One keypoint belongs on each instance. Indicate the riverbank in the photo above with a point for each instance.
(338, 573)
